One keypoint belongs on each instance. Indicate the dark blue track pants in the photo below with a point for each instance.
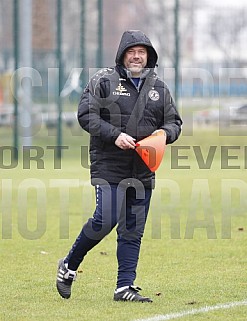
(120, 204)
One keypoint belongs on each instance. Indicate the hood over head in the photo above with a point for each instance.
(132, 38)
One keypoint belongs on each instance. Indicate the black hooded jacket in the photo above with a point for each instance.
(112, 104)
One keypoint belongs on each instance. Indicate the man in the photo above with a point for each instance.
(119, 107)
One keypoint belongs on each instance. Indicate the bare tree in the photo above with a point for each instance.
(226, 31)
(161, 28)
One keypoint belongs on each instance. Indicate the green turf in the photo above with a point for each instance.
(193, 253)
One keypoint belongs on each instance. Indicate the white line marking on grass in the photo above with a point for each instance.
(195, 311)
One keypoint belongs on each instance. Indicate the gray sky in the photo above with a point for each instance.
(226, 3)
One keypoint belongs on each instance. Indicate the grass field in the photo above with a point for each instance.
(194, 251)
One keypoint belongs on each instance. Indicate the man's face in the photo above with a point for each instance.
(135, 59)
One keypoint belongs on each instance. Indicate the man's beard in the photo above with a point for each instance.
(135, 69)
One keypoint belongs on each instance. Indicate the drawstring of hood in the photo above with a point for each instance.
(143, 75)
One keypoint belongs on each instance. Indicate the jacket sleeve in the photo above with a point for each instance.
(89, 114)
(172, 123)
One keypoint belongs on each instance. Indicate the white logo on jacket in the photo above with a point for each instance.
(154, 95)
(120, 90)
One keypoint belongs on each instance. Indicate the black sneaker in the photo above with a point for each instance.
(131, 294)
(65, 277)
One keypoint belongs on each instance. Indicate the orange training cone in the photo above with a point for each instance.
(151, 149)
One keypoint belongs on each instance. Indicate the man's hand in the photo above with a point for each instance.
(125, 141)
